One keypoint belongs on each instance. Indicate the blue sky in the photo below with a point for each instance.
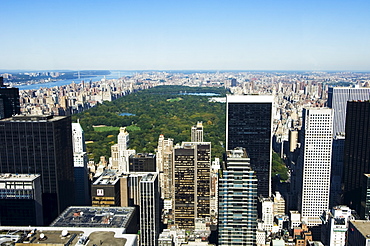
(168, 35)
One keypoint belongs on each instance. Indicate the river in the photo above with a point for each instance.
(113, 75)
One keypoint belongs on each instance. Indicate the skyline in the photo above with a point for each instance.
(164, 35)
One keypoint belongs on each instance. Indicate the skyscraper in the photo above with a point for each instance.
(81, 172)
(192, 164)
(9, 101)
(249, 125)
(337, 100)
(165, 166)
(356, 151)
(41, 145)
(120, 152)
(197, 132)
(149, 210)
(237, 217)
(315, 163)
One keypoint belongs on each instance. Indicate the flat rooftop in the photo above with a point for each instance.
(64, 236)
(363, 226)
(18, 177)
(100, 217)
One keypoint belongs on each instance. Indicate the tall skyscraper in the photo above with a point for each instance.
(237, 217)
(315, 163)
(41, 145)
(9, 101)
(356, 151)
(165, 166)
(191, 177)
(81, 173)
(197, 132)
(120, 152)
(337, 100)
(249, 125)
(149, 210)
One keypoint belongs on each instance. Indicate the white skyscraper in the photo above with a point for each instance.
(80, 165)
(197, 132)
(119, 152)
(315, 163)
(335, 225)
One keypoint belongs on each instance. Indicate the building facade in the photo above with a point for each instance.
(192, 164)
(9, 101)
(197, 132)
(249, 125)
(80, 160)
(237, 217)
(20, 200)
(315, 162)
(149, 210)
(337, 100)
(41, 145)
(356, 151)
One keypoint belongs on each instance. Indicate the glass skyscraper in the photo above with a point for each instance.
(249, 125)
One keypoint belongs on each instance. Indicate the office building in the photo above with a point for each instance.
(105, 191)
(315, 162)
(335, 226)
(249, 125)
(142, 163)
(358, 233)
(337, 100)
(197, 132)
(9, 101)
(120, 153)
(192, 163)
(149, 210)
(20, 200)
(337, 169)
(356, 151)
(164, 159)
(80, 160)
(237, 217)
(41, 145)
(365, 197)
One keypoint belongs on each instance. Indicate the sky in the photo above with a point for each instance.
(185, 35)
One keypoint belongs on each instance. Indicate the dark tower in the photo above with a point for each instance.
(9, 101)
(249, 125)
(356, 151)
(41, 145)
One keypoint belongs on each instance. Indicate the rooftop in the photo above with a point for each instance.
(65, 236)
(18, 177)
(103, 217)
(363, 226)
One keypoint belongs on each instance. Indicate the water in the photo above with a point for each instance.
(126, 114)
(201, 94)
(113, 75)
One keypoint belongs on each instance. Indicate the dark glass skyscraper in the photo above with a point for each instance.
(9, 101)
(41, 145)
(356, 151)
(249, 125)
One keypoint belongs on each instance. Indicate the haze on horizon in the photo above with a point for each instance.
(185, 35)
